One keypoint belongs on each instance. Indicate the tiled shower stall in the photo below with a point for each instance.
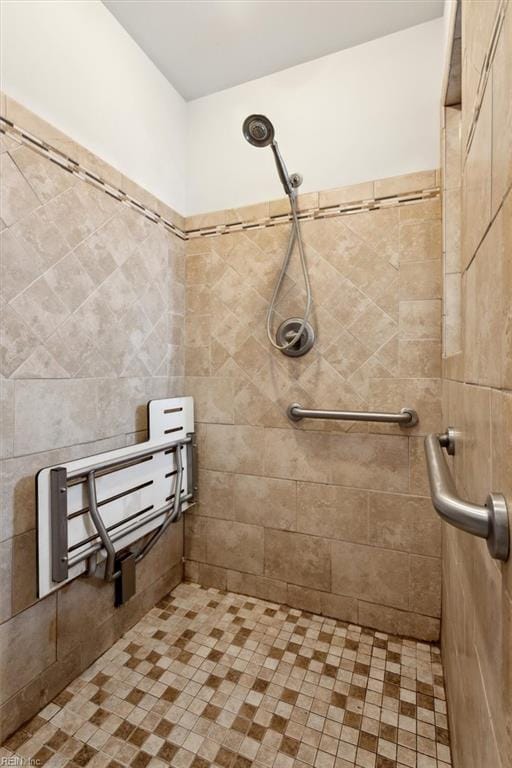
(303, 610)
(347, 506)
(332, 517)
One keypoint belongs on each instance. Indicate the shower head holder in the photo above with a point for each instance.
(286, 332)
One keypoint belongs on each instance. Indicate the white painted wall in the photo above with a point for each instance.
(72, 63)
(366, 112)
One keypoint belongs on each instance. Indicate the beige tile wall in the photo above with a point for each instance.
(477, 591)
(92, 301)
(331, 517)
(452, 288)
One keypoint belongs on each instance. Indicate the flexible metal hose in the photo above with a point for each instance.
(295, 235)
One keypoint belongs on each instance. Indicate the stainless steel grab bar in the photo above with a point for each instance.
(489, 522)
(407, 416)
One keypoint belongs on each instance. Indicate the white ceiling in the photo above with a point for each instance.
(204, 46)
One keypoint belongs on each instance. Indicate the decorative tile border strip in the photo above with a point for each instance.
(317, 212)
(71, 166)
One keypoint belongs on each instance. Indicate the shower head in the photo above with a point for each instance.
(258, 130)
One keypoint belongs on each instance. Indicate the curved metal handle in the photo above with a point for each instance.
(174, 516)
(407, 416)
(100, 526)
(489, 522)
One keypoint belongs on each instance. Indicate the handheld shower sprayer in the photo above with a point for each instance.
(259, 131)
(295, 336)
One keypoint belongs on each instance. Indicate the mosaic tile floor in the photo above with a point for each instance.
(209, 678)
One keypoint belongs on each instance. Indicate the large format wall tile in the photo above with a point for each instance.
(405, 523)
(398, 621)
(375, 575)
(478, 19)
(249, 584)
(418, 480)
(235, 545)
(476, 185)
(502, 115)
(400, 184)
(258, 498)
(24, 571)
(425, 585)
(346, 194)
(420, 319)
(6, 577)
(18, 197)
(231, 448)
(507, 294)
(485, 308)
(46, 179)
(419, 358)
(297, 559)
(332, 511)
(17, 489)
(50, 413)
(376, 461)
(6, 417)
(423, 392)
(216, 494)
(36, 629)
(360, 461)
(420, 240)
(420, 280)
(213, 399)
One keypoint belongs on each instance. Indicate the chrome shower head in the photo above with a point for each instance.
(258, 130)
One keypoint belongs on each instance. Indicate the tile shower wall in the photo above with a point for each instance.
(477, 591)
(92, 299)
(452, 282)
(331, 517)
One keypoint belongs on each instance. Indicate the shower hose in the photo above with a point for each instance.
(295, 235)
